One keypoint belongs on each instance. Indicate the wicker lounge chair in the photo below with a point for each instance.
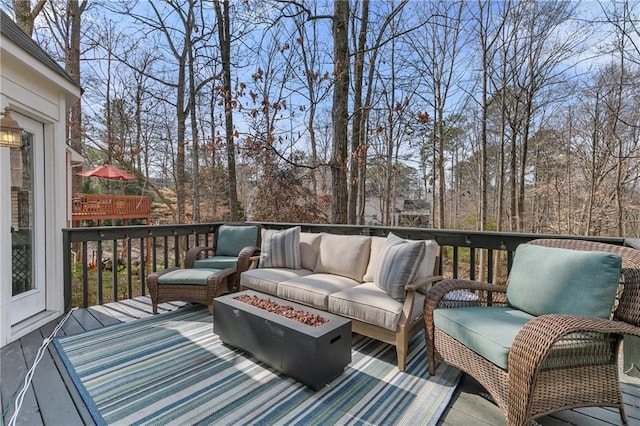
(204, 278)
(556, 361)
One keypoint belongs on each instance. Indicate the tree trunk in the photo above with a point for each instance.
(340, 113)
(224, 36)
(357, 125)
(25, 16)
(72, 66)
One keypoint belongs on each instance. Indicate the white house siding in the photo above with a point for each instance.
(37, 91)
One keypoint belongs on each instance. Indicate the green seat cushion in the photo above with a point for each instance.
(490, 332)
(233, 238)
(190, 276)
(217, 262)
(487, 331)
(549, 280)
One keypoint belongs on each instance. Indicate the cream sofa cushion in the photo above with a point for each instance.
(371, 304)
(425, 271)
(309, 249)
(266, 280)
(377, 244)
(344, 255)
(314, 290)
(429, 262)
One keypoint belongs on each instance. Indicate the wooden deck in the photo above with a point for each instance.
(53, 400)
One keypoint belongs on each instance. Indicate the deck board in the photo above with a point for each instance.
(14, 369)
(53, 399)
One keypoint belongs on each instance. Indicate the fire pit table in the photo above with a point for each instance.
(313, 355)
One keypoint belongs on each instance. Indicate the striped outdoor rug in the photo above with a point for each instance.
(172, 369)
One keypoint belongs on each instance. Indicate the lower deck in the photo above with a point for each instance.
(52, 398)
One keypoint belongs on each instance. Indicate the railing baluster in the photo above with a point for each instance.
(490, 266)
(143, 268)
(129, 277)
(114, 270)
(99, 268)
(455, 262)
(472, 263)
(85, 276)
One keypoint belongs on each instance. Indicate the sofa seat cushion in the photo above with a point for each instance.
(217, 262)
(190, 276)
(371, 304)
(266, 280)
(487, 331)
(314, 290)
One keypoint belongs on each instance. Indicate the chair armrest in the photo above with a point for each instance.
(245, 258)
(193, 254)
(426, 281)
(254, 261)
(537, 338)
(441, 288)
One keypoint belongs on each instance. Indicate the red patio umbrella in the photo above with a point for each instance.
(107, 171)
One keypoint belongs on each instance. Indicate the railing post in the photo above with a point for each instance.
(66, 269)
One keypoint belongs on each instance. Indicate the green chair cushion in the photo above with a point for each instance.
(487, 331)
(490, 332)
(232, 238)
(190, 276)
(217, 262)
(549, 280)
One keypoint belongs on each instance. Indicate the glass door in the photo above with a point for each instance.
(27, 222)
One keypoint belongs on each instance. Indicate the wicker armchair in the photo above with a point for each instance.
(204, 278)
(556, 362)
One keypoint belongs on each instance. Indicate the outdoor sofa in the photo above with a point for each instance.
(373, 281)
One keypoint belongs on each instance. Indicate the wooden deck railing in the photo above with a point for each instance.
(104, 264)
(101, 207)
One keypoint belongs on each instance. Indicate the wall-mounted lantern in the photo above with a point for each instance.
(10, 130)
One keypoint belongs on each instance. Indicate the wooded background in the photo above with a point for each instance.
(510, 115)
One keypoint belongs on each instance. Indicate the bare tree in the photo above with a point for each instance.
(26, 15)
(340, 114)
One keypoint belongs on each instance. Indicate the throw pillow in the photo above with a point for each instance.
(398, 265)
(281, 249)
(550, 280)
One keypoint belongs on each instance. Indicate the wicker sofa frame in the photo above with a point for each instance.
(531, 387)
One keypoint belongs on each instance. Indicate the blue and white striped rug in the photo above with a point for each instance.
(172, 369)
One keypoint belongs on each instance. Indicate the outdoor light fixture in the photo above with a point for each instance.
(10, 130)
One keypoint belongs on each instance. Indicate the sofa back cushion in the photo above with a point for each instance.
(233, 238)
(344, 255)
(309, 249)
(549, 280)
(377, 244)
(280, 249)
(432, 250)
(399, 262)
